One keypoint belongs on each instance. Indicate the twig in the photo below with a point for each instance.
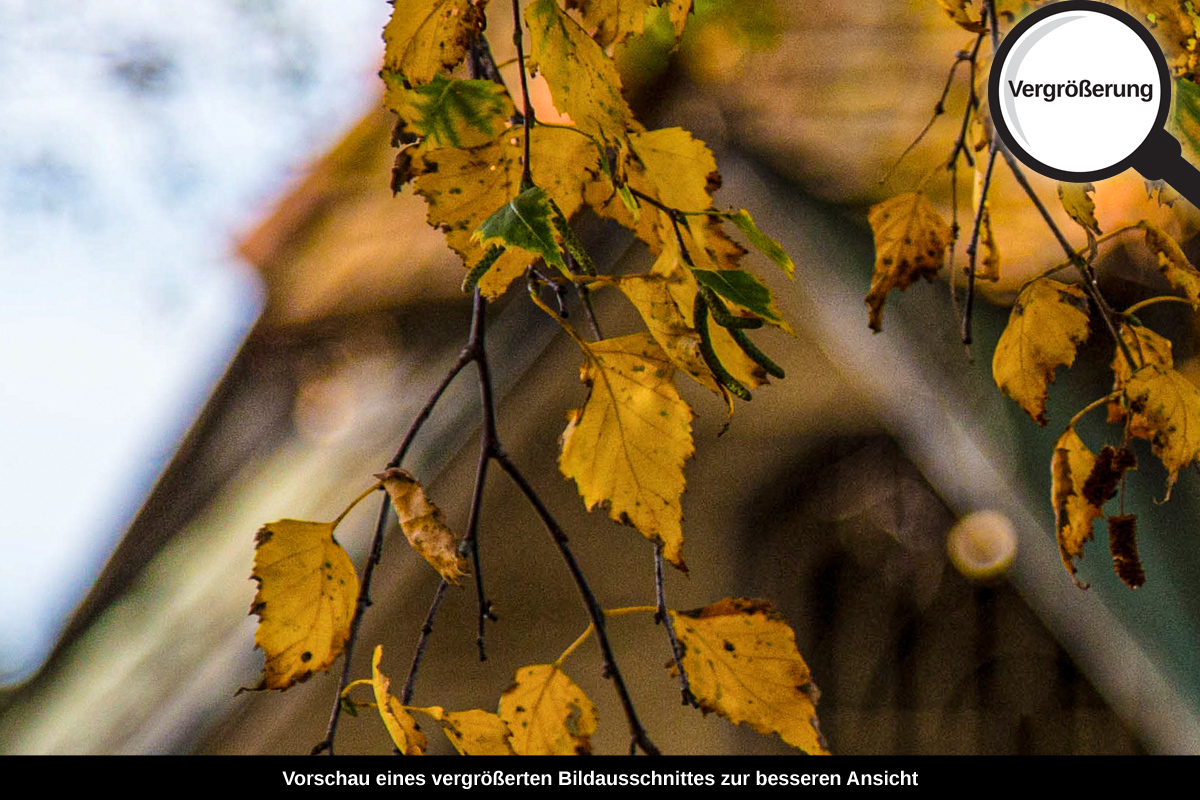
(589, 601)
(973, 245)
(960, 144)
(426, 629)
(526, 175)
(661, 615)
(938, 110)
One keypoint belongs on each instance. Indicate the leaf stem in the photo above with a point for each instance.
(1138, 306)
(376, 487)
(1092, 406)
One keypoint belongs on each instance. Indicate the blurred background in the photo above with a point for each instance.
(216, 314)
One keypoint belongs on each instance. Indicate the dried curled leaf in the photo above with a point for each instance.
(396, 718)
(626, 446)
(1074, 515)
(1166, 410)
(425, 37)
(307, 592)
(910, 243)
(1172, 262)
(1148, 348)
(1047, 324)
(477, 733)
(423, 524)
(1122, 542)
(1077, 201)
(548, 714)
(1111, 465)
(965, 14)
(741, 661)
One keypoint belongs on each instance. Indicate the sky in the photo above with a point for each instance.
(138, 141)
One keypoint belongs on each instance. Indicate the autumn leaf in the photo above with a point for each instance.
(965, 14)
(524, 221)
(423, 524)
(477, 733)
(1074, 515)
(547, 713)
(651, 295)
(613, 21)
(1047, 324)
(1148, 348)
(1166, 410)
(396, 718)
(1172, 262)
(626, 446)
(910, 243)
(447, 112)
(425, 37)
(584, 82)
(1112, 463)
(1078, 203)
(744, 289)
(307, 592)
(741, 661)
(763, 243)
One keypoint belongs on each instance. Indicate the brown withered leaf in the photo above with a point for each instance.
(1047, 324)
(1166, 410)
(1111, 465)
(1074, 515)
(1122, 543)
(1172, 262)
(423, 524)
(741, 661)
(910, 243)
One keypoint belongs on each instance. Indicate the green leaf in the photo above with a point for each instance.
(1184, 121)
(739, 286)
(449, 112)
(525, 221)
(761, 242)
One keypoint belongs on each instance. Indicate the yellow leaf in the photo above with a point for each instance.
(613, 21)
(307, 592)
(626, 446)
(399, 722)
(965, 14)
(463, 187)
(477, 733)
(547, 713)
(741, 661)
(651, 295)
(910, 243)
(1074, 515)
(1172, 262)
(584, 82)
(1166, 410)
(987, 265)
(1047, 324)
(1077, 201)
(449, 113)
(423, 524)
(1147, 347)
(424, 37)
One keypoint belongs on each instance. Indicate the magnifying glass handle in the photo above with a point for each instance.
(1159, 158)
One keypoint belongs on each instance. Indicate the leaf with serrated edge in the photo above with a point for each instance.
(547, 713)
(743, 288)
(425, 37)
(1047, 324)
(423, 524)
(741, 661)
(1074, 516)
(910, 243)
(399, 722)
(1147, 347)
(626, 446)
(307, 592)
(1078, 203)
(450, 113)
(1166, 410)
(763, 243)
(1172, 262)
(477, 733)
(965, 14)
(524, 221)
(613, 21)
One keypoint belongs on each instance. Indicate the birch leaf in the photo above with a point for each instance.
(1148, 348)
(626, 446)
(743, 288)
(741, 660)
(763, 243)
(425, 37)
(964, 13)
(910, 243)
(477, 733)
(423, 524)
(307, 592)
(613, 21)
(1166, 410)
(1077, 201)
(1172, 262)
(447, 112)
(399, 722)
(547, 713)
(1047, 324)
(525, 222)
(1074, 515)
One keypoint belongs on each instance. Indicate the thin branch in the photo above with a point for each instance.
(661, 615)
(938, 110)
(488, 444)
(960, 143)
(526, 175)
(426, 630)
(589, 601)
(973, 245)
(1150, 301)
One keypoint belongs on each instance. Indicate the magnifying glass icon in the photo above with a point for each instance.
(1080, 91)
